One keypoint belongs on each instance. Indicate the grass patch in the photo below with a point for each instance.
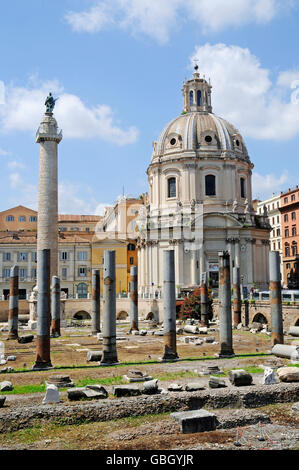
(26, 389)
(106, 381)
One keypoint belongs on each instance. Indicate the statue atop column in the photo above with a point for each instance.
(50, 103)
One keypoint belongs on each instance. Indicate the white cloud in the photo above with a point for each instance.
(4, 153)
(23, 110)
(157, 18)
(75, 198)
(263, 185)
(244, 93)
(27, 193)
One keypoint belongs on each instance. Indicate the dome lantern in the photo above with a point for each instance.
(197, 94)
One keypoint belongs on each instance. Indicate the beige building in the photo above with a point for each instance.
(18, 245)
(271, 208)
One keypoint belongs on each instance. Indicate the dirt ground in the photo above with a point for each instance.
(68, 355)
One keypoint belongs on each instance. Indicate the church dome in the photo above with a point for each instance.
(198, 129)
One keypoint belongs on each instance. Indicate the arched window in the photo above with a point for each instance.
(172, 187)
(243, 189)
(191, 98)
(131, 247)
(210, 181)
(294, 249)
(287, 249)
(198, 98)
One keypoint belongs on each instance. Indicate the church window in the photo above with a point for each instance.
(173, 141)
(198, 98)
(191, 98)
(172, 187)
(208, 139)
(210, 181)
(238, 143)
(242, 183)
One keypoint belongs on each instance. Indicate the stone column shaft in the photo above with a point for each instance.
(13, 303)
(204, 300)
(133, 299)
(109, 310)
(169, 301)
(95, 304)
(55, 307)
(275, 299)
(43, 311)
(225, 309)
(237, 296)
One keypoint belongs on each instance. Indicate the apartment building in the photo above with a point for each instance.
(271, 207)
(290, 236)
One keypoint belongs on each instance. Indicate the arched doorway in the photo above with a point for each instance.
(82, 315)
(82, 290)
(122, 315)
(260, 318)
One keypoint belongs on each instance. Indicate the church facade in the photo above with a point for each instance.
(200, 200)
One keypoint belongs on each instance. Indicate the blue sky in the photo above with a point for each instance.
(118, 67)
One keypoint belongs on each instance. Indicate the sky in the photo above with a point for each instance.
(118, 66)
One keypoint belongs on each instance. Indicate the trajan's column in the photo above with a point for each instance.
(48, 136)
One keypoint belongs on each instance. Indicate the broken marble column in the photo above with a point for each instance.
(55, 307)
(43, 360)
(225, 309)
(13, 303)
(169, 307)
(95, 304)
(133, 299)
(237, 296)
(109, 310)
(275, 299)
(204, 301)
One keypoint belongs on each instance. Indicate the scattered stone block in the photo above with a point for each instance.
(179, 331)
(87, 393)
(126, 391)
(52, 394)
(11, 358)
(143, 332)
(6, 386)
(191, 329)
(194, 387)
(210, 370)
(25, 339)
(94, 356)
(257, 326)
(195, 421)
(175, 388)
(240, 377)
(96, 391)
(150, 387)
(2, 401)
(7, 370)
(217, 382)
(288, 374)
(269, 377)
(136, 376)
(209, 339)
(198, 342)
(32, 324)
(203, 330)
(135, 333)
(60, 381)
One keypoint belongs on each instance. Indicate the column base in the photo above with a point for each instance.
(42, 366)
(55, 335)
(224, 355)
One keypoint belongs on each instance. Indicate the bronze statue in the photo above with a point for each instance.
(50, 103)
